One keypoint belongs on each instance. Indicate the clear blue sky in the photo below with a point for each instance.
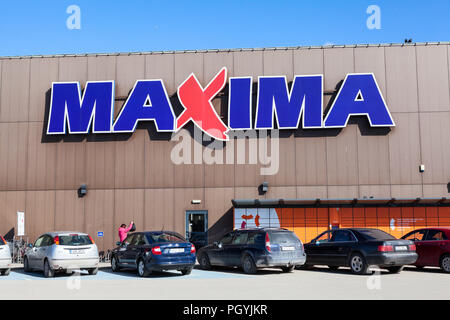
(39, 26)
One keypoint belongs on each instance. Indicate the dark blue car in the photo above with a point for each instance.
(154, 251)
(252, 249)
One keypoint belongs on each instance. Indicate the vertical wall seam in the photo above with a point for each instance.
(28, 136)
(418, 115)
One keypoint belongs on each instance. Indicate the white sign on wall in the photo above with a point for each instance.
(20, 223)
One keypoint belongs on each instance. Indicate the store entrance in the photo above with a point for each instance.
(197, 227)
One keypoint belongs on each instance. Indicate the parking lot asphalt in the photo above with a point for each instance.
(318, 283)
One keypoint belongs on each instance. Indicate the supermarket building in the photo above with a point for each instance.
(393, 177)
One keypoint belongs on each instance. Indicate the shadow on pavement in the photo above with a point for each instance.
(425, 269)
(133, 274)
(239, 271)
(40, 274)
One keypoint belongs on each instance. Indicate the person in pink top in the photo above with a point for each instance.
(123, 230)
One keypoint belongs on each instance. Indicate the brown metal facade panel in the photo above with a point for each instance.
(100, 163)
(337, 64)
(343, 192)
(404, 149)
(218, 173)
(73, 69)
(41, 160)
(372, 60)
(433, 78)
(308, 62)
(310, 161)
(42, 73)
(13, 157)
(101, 68)
(99, 214)
(406, 191)
(375, 191)
(373, 159)
(401, 79)
(162, 66)
(159, 209)
(128, 206)
(10, 202)
(220, 214)
(189, 173)
(247, 171)
(214, 61)
(283, 162)
(279, 63)
(281, 193)
(435, 146)
(39, 213)
(159, 169)
(69, 211)
(435, 190)
(248, 63)
(312, 192)
(70, 165)
(188, 63)
(342, 157)
(130, 161)
(14, 91)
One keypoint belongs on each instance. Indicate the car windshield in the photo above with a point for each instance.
(74, 240)
(375, 234)
(164, 237)
(283, 237)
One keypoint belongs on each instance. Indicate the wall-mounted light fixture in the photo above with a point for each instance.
(448, 187)
(264, 187)
(82, 191)
(196, 201)
(422, 168)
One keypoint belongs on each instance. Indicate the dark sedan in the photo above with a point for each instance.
(360, 248)
(253, 249)
(154, 251)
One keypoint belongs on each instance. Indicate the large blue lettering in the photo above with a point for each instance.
(240, 103)
(147, 101)
(305, 97)
(359, 95)
(67, 105)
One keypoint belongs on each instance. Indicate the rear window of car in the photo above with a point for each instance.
(375, 234)
(74, 240)
(164, 237)
(283, 237)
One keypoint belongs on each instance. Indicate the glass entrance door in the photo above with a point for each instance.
(197, 227)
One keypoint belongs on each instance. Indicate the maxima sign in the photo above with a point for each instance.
(148, 101)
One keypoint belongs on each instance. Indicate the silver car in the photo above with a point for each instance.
(63, 251)
(5, 257)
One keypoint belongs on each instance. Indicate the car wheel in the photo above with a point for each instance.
(445, 263)
(114, 265)
(48, 272)
(186, 271)
(248, 265)
(395, 269)
(333, 268)
(26, 266)
(6, 272)
(204, 262)
(142, 271)
(287, 269)
(358, 264)
(93, 271)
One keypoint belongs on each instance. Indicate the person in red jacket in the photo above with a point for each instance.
(123, 230)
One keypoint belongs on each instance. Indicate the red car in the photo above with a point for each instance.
(432, 246)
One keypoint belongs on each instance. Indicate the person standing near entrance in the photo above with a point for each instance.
(123, 230)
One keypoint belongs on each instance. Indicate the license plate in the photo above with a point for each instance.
(177, 250)
(76, 251)
(401, 248)
(287, 248)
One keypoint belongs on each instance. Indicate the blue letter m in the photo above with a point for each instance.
(67, 105)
